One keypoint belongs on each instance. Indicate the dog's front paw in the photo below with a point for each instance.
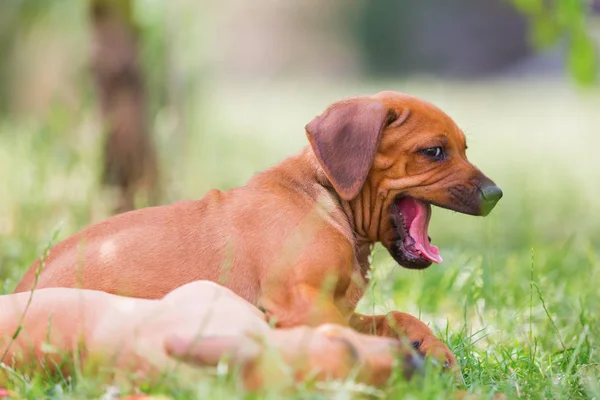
(421, 338)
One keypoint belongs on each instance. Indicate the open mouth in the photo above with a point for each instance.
(411, 245)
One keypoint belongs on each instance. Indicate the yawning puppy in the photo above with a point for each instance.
(296, 239)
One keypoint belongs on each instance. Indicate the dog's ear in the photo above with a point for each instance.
(345, 139)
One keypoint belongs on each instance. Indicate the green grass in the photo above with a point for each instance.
(517, 298)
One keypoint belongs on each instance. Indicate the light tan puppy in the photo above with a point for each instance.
(296, 239)
(200, 323)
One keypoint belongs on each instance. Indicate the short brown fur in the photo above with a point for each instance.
(296, 239)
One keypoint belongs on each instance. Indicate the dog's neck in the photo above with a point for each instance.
(355, 219)
(362, 214)
(358, 214)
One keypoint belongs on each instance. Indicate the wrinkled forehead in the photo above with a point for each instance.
(429, 118)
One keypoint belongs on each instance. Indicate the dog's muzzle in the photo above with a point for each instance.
(478, 197)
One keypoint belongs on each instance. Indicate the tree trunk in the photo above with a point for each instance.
(130, 163)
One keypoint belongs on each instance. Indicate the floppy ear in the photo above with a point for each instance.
(345, 139)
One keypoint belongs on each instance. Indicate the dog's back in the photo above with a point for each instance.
(144, 253)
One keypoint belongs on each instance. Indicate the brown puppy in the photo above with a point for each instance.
(296, 239)
(193, 323)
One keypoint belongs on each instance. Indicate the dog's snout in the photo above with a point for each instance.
(490, 195)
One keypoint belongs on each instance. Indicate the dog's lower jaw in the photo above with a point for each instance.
(409, 243)
(404, 257)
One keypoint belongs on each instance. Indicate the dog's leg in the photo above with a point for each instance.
(405, 327)
(309, 306)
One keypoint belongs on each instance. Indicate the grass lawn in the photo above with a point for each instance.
(517, 297)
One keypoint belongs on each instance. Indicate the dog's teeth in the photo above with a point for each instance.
(370, 259)
(371, 247)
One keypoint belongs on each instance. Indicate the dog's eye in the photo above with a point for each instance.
(434, 152)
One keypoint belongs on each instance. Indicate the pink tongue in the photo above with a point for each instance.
(418, 231)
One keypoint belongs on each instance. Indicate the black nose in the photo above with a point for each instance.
(490, 194)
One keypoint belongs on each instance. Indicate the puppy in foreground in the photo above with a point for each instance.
(200, 324)
(296, 239)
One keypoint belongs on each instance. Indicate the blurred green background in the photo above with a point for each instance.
(221, 90)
